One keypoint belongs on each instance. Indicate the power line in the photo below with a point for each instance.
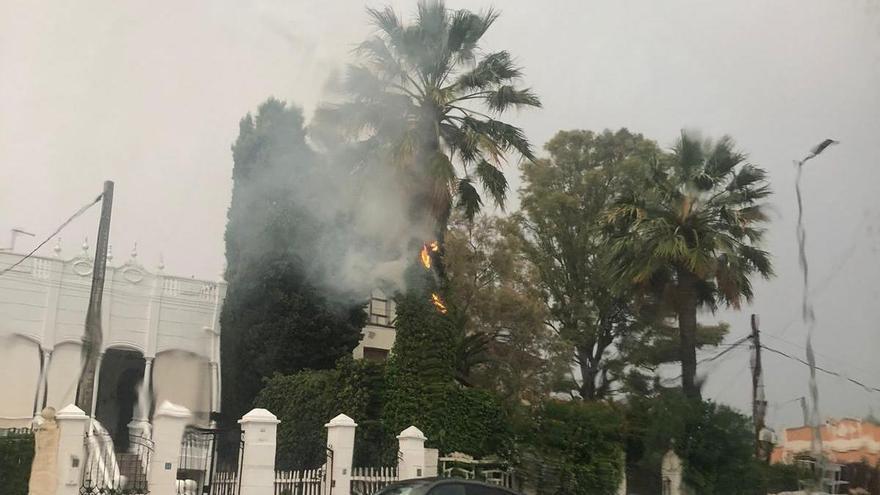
(733, 346)
(824, 370)
(53, 234)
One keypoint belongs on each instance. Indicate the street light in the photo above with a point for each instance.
(807, 314)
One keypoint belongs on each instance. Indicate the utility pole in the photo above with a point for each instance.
(759, 400)
(93, 338)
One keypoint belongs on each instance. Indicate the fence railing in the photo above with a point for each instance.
(16, 456)
(304, 482)
(225, 483)
(366, 481)
(494, 471)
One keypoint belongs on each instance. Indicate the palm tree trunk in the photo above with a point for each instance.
(686, 308)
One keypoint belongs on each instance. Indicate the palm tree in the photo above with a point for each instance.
(425, 100)
(691, 235)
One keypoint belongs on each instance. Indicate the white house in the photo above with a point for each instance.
(378, 334)
(160, 330)
(161, 338)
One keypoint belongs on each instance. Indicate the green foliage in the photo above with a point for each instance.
(16, 456)
(307, 400)
(563, 236)
(274, 319)
(572, 448)
(784, 477)
(422, 391)
(503, 343)
(689, 234)
(714, 442)
(421, 96)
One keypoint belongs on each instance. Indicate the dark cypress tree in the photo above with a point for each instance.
(275, 318)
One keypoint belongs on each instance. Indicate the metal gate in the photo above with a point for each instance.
(210, 461)
(106, 471)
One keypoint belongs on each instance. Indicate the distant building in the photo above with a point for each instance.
(844, 441)
(378, 334)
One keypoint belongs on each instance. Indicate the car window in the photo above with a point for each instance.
(485, 490)
(448, 489)
(407, 489)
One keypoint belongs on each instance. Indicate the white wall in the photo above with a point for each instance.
(19, 373)
(64, 375)
(183, 379)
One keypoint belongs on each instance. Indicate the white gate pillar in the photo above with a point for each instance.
(72, 423)
(671, 474)
(168, 424)
(411, 455)
(340, 439)
(259, 429)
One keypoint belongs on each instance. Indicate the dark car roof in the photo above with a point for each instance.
(431, 482)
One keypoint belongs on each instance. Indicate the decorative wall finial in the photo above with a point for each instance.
(109, 253)
(161, 262)
(134, 251)
(85, 247)
(57, 248)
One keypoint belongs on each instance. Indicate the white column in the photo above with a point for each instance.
(41, 384)
(168, 424)
(340, 439)
(411, 461)
(258, 428)
(97, 383)
(140, 423)
(72, 423)
(215, 390)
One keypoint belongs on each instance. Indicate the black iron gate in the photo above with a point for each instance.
(210, 461)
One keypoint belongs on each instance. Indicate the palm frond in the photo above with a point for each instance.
(495, 68)
(469, 200)
(505, 97)
(493, 181)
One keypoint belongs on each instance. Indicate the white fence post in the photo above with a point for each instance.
(259, 429)
(168, 424)
(340, 439)
(671, 474)
(72, 423)
(411, 463)
(432, 461)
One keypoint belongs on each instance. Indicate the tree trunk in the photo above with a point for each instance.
(686, 307)
(588, 374)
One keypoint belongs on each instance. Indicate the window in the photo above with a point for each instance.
(448, 489)
(373, 354)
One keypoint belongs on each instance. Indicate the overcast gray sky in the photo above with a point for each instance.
(149, 94)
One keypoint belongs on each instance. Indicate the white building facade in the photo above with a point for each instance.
(378, 334)
(161, 339)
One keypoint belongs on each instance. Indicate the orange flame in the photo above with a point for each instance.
(425, 257)
(438, 303)
(425, 253)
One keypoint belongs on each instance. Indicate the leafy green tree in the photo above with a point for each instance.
(690, 235)
(714, 442)
(306, 400)
(563, 236)
(502, 340)
(572, 447)
(274, 319)
(423, 99)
